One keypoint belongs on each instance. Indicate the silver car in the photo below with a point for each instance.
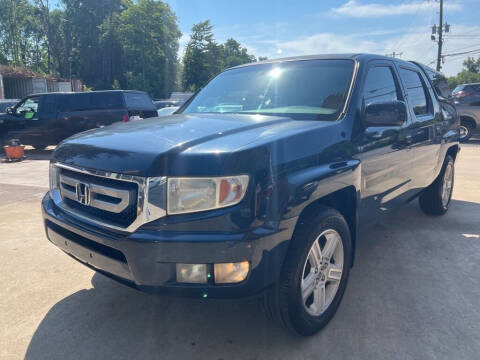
(467, 101)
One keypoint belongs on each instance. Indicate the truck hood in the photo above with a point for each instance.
(148, 147)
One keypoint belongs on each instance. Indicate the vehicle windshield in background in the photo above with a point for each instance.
(6, 104)
(303, 90)
(458, 89)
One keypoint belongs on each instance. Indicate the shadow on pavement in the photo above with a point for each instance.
(33, 154)
(404, 300)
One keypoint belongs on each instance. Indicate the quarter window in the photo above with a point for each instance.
(417, 96)
(380, 85)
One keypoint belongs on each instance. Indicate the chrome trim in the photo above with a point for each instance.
(122, 195)
(151, 196)
(356, 65)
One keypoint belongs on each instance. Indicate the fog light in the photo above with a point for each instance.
(192, 273)
(231, 272)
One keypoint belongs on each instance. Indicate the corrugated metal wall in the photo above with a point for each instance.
(15, 88)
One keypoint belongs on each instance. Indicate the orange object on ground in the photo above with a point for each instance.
(14, 152)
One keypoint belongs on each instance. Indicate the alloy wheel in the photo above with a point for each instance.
(322, 272)
(447, 185)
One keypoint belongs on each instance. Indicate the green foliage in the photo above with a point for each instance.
(21, 42)
(472, 65)
(469, 74)
(204, 57)
(149, 35)
(234, 54)
(107, 43)
(463, 77)
(112, 44)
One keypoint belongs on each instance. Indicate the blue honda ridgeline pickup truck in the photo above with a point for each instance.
(258, 183)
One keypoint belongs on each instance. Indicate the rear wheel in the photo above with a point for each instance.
(436, 198)
(314, 276)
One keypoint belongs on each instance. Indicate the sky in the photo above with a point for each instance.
(288, 28)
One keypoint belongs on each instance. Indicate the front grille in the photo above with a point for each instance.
(105, 205)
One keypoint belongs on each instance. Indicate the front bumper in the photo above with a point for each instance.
(146, 259)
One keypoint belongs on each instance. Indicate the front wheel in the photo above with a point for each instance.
(435, 200)
(314, 276)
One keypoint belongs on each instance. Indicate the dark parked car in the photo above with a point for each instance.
(6, 103)
(467, 100)
(46, 119)
(258, 184)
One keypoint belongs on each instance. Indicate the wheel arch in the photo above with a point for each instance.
(453, 151)
(345, 202)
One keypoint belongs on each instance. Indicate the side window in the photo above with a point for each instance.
(106, 100)
(138, 101)
(417, 95)
(379, 86)
(28, 107)
(75, 102)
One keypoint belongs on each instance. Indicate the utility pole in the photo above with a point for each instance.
(440, 39)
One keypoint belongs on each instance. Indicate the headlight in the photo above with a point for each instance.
(187, 195)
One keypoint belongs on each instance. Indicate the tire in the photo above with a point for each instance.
(467, 129)
(433, 201)
(290, 301)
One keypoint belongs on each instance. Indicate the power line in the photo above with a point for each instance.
(462, 53)
(465, 47)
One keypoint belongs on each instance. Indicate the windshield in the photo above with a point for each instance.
(303, 90)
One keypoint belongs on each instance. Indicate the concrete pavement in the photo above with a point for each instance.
(414, 292)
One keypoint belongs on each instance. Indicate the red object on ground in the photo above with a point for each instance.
(14, 152)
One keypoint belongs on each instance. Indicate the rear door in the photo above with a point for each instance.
(74, 115)
(139, 104)
(423, 135)
(106, 108)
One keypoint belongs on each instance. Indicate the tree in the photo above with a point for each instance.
(43, 7)
(234, 54)
(472, 65)
(149, 35)
(202, 59)
(16, 30)
(469, 74)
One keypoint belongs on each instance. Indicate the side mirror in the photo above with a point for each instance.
(389, 113)
(9, 110)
